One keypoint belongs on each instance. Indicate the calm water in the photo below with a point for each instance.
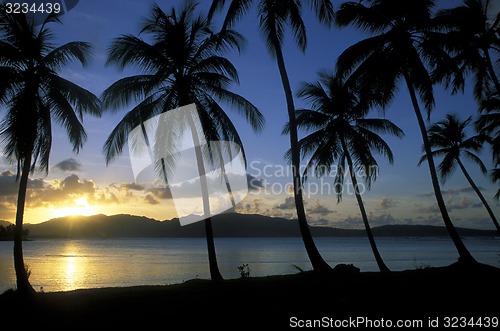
(61, 265)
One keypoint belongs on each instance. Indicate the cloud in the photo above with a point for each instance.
(36, 184)
(463, 203)
(453, 192)
(216, 186)
(421, 208)
(150, 199)
(57, 192)
(288, 204)
(159, 193)
(7, 210)
(73, 185)
(69, 165)
(8, 184)
(254, 206)
(317, 208)
(349, 222)
(132, 186)
(386, 203)
(254, 183)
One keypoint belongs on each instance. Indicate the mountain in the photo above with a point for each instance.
(224, 225)
(5, 223)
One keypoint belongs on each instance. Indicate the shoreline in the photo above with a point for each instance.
(453, 290)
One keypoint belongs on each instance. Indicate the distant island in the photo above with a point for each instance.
(7, 231)
(224, 225)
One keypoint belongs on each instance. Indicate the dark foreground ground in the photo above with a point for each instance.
(270, 303)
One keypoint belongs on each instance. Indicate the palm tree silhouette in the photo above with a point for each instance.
(448, 138)
(35, 98)
(274, 17)
(401, 48)
(488, 123)
(340, 134)
(184, 64)
(470, 32)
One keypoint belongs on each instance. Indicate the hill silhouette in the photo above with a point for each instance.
(225, 225)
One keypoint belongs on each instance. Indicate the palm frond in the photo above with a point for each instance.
(183, 64)
(130, 89)
(365, 18)
(474, 158)
(82, 100)
(324, 11)
(447, 167)
(297, 25)
(64, 114)
(66, 53)
(129, 50)
(145, 110)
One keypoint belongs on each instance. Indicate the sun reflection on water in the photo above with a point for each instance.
(72, 264)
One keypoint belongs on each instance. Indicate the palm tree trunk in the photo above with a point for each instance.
(212, 255)
(479, 194)
(378, 258)
(317, 261)
(224, 174)
(463, 252)
(163, 166)
(23, 285)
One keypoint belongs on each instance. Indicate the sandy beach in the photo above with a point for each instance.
(343, 296)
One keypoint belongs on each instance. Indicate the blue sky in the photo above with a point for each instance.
(84, 184)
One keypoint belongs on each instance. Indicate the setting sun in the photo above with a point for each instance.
(78, 206)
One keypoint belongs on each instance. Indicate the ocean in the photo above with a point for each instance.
(63, 265)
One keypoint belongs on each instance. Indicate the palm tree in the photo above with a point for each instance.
(400, 48)
(35, 98)
(448, 138)
(471, 33)
(274, 17)
(184, 64)
(340, 134)
(489, 124)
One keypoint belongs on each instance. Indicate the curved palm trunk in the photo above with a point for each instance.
(378, 258)
(224, 174)
(317, 261)
(23, 284)
(479, 194)
(463, 252)
(212, 255)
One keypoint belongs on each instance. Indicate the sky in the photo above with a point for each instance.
(83, 183)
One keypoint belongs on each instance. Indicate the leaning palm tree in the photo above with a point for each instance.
(471, 32)
(183, 64)
(495, 177)
(400, 49)
(340, 134)
(34, 98)
(448, 138)
(274, 16)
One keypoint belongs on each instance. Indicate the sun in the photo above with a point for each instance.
(76, 207)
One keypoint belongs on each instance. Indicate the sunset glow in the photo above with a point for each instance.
(79, 206)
